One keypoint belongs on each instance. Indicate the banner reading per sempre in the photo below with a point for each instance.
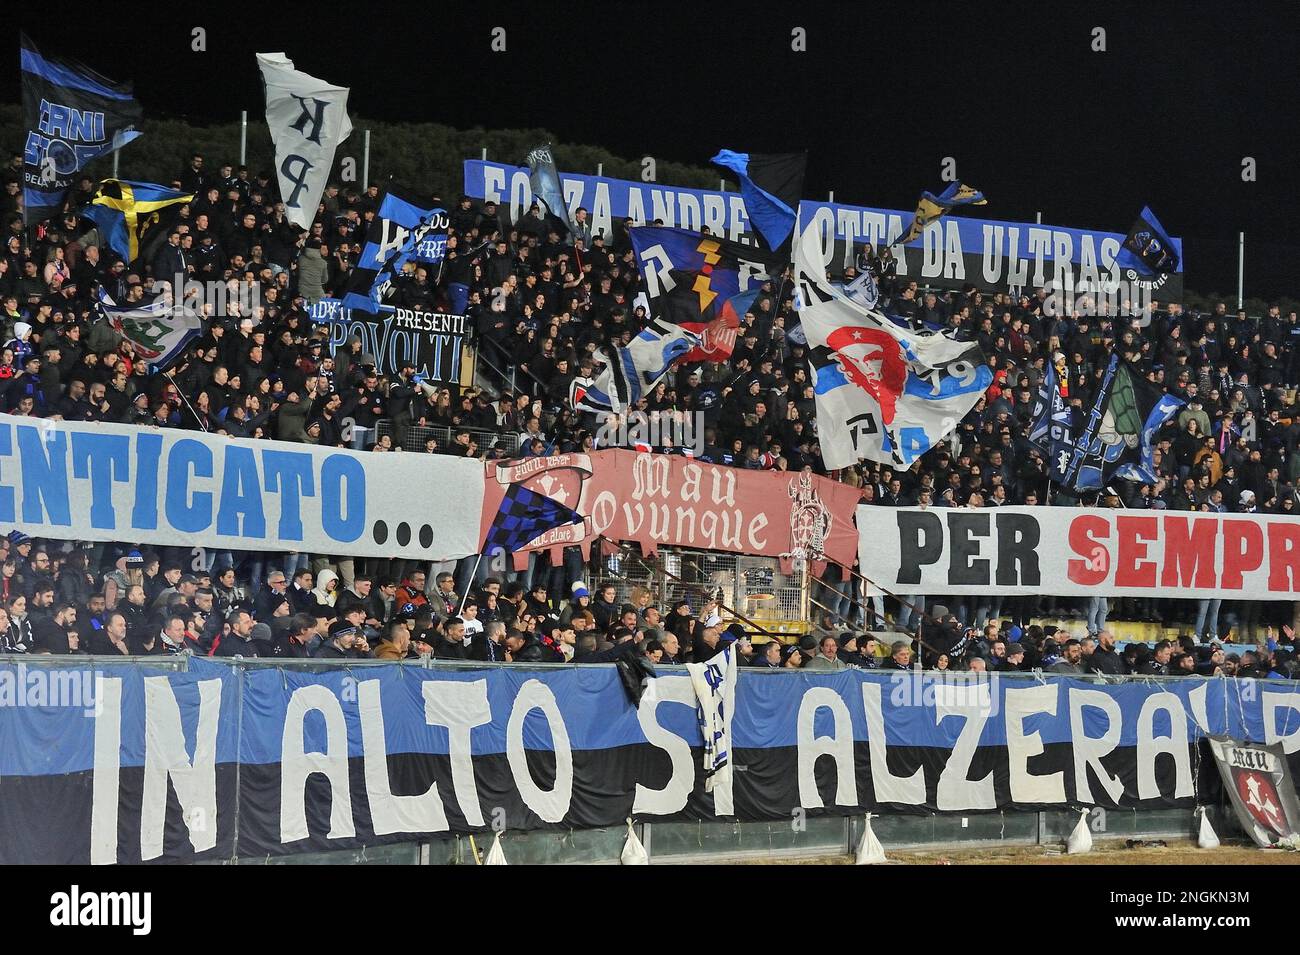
(1084, 551)
(111, 482)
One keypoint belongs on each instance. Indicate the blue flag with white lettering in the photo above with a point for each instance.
(73, 115)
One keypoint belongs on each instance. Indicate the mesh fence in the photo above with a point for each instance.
(417, 436)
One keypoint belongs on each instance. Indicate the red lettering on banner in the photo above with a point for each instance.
(1243, 551)
(1283, 557)
(1133, 533)
(1086, 534)
(1189, 556)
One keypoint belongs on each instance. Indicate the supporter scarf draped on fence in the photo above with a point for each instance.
(308, 119)
(883, 393)
(1080, 552)
(219, 761)
(662, 499)
(111, 482)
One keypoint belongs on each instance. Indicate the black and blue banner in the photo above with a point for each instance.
(1118, 438)
(145, 763)
(403, 231)
(73, 115)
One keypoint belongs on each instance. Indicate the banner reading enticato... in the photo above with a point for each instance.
(1080, 551)
(109, 482)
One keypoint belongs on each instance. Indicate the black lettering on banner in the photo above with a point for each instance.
(315, 116)
(920, 542)
(963, 529)
(864, 423)
(299, 179)
(1018, 537)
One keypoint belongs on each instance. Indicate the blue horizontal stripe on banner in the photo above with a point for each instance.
(52, 740)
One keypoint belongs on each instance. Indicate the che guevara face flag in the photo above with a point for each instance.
(883, 393)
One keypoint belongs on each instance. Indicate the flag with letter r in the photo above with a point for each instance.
(308, 119)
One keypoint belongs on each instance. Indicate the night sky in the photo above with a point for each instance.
(1013, 92)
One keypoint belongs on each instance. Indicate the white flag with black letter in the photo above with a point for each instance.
(883, 393)
(308, 119)
(714, 683)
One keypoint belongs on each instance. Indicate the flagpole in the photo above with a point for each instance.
(168, 376)
(472, 574)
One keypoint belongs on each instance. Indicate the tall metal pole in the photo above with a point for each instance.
(1241, 269)
(115, 155)
(365, 163)
(1038, 217)
(243, 137)
(485, 154)
(830, 196)
(600, 169)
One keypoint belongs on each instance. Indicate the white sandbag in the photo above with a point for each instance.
(633, 852)
(870, 851)
(495, 855)
(1207, 838)
(1081, 839)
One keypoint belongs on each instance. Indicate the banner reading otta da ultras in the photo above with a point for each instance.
(1080, 551)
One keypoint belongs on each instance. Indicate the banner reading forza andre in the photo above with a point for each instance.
(1084, 551)
(951, 252)
(111, 482)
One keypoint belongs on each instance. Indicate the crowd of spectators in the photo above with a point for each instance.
(542, 305)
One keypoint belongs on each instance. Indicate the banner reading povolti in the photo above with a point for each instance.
(1084, 551)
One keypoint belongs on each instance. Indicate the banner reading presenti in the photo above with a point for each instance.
(1080, 551)
(111, 482)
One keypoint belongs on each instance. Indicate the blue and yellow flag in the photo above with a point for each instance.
(126, 210)
(930, 207)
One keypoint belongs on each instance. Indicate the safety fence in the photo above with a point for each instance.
(416, 437)
(752, 589)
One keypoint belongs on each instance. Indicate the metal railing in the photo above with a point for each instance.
(507, 442)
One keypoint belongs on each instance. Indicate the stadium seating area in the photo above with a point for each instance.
(541, 307)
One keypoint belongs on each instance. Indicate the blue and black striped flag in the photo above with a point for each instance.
(523, 516)
(73, 115)
(771, 184)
